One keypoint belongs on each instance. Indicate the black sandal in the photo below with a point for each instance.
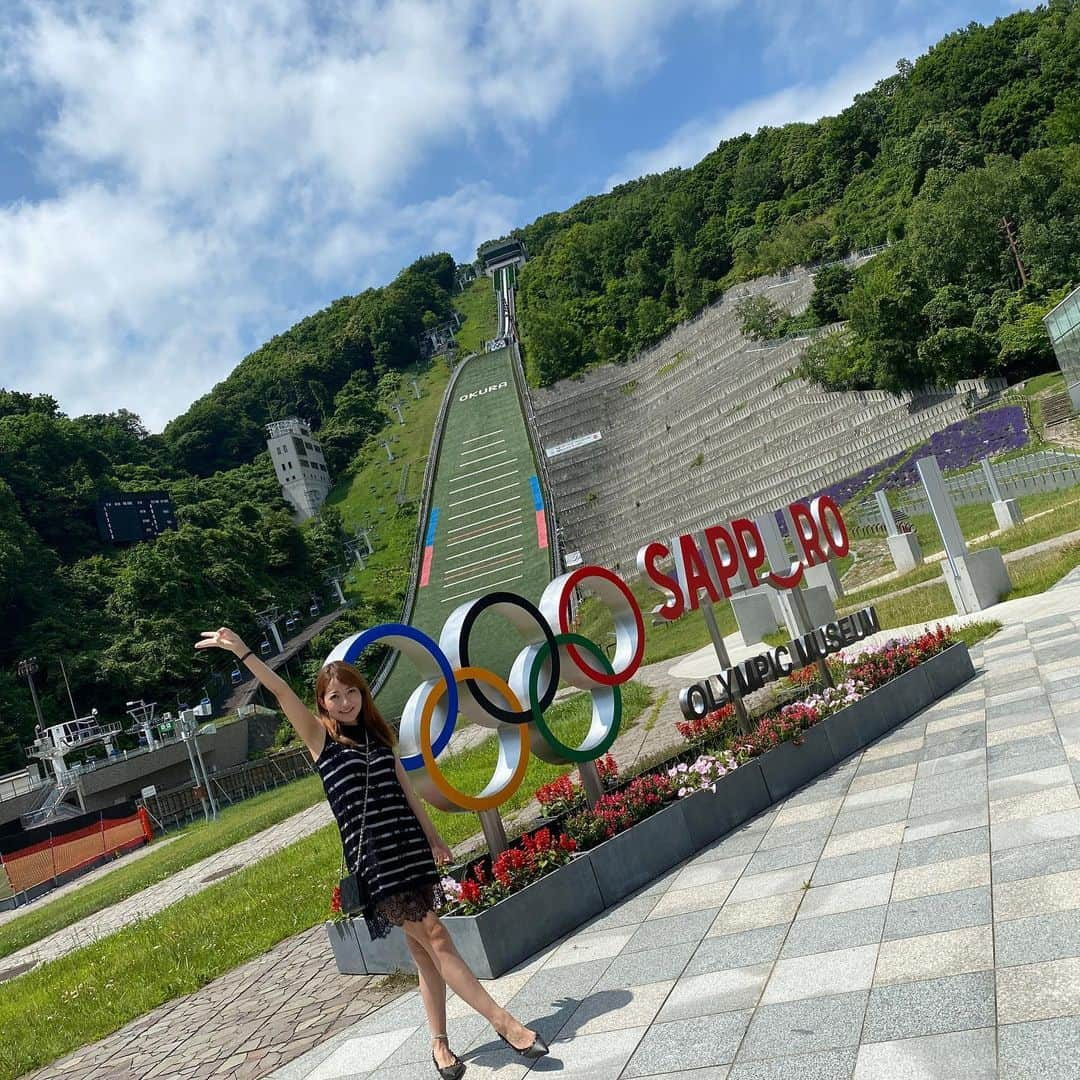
(448, 1072)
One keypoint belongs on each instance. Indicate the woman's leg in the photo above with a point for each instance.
(433, 937)
(433, 995)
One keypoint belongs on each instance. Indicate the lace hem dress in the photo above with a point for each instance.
(394, 860)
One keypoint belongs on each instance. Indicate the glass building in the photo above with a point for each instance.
(1063, 326)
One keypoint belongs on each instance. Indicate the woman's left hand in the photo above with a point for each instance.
(440, 851)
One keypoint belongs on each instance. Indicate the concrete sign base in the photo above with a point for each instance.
(756, 613)
(1008, 513)
(905, 551)
(824, 574)
(981, 580)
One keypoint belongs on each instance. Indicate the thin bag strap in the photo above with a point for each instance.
(363, 814)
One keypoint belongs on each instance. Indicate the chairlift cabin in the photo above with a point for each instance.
(237, 676)
(291, 624)
(264, 647)
(314, 610)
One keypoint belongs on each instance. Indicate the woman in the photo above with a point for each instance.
(353, 750)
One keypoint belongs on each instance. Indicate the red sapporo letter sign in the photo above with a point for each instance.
(712, 558)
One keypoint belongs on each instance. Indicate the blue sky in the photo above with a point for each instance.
(178, 182)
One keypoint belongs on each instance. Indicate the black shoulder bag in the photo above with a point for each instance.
(354, 892)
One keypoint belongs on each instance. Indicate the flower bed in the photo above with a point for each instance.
(659, 818)
(535, 855)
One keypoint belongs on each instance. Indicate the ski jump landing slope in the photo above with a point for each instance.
(487, 524)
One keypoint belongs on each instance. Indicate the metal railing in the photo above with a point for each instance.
(182, 804)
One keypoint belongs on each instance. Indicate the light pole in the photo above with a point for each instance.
(29, 668)
(143, 715)
(189, 732)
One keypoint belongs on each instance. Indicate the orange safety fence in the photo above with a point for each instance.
(56, 856)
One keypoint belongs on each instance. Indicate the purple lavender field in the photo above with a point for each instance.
(959, 445)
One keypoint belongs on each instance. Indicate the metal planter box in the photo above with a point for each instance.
(897, 701)
(493, 941)
(501, 937)
(346, 945)
(789, 766)
(948, 670)
(733, 799)
(853, 728)
(644, 852)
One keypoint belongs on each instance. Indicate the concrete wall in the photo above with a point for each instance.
(13, 809)
(707, 425)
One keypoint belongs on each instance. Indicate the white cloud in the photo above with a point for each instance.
(222, 169)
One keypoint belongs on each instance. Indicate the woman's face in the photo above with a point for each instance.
(342, 702)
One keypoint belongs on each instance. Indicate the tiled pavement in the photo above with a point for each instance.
(239, 1027)
(914, 913)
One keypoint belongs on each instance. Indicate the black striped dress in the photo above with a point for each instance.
(395, 860)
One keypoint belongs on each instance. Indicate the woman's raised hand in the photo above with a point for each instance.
(224, 638)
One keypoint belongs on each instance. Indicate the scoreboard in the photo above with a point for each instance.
(125, 518)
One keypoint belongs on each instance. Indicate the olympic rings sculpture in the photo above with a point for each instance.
(513, 707)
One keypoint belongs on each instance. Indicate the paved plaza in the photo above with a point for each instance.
(939, 937)
(913, 913)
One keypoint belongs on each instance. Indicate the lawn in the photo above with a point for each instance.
(196, 842)
(368, 496)
(478, 306)
(1030, 575)
(1059, 510)
(91, 992)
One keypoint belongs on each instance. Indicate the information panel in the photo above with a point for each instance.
(127, 518)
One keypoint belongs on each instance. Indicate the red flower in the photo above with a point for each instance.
(607, 767)
(714, 725)
(335, 901)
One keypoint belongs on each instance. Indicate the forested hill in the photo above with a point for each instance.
(974, 141)
(320, 369)
(124, 618)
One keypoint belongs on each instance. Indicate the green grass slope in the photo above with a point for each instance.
(483, 509)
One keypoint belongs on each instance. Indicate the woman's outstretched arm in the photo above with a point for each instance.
(298, 714)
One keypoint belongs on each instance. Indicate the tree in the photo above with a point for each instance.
(831, 286)
(759, 318)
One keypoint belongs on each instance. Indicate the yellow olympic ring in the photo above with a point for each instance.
(501, 787)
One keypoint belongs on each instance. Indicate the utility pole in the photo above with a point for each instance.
(1007, 229)
(415, 389)
(396, 406)
(29, 668)
(386, 447)
(189, 733)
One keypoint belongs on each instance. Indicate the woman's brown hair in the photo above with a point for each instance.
(369, 713)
